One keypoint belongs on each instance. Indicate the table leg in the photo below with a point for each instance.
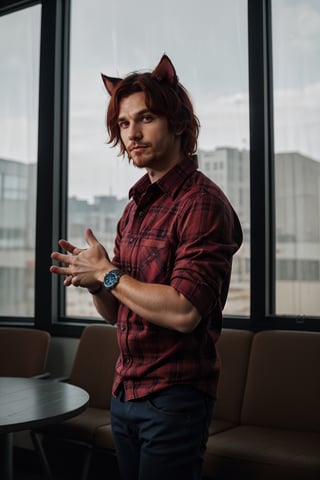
(40, 450)
(6, 456)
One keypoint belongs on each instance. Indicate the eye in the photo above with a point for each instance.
(123, 124)
(147, 118)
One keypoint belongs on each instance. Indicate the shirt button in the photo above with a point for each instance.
(123, 328)
(141, 213)
(131, 240)
(127, 361)
(129, 269)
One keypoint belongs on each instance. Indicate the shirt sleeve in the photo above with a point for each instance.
(209, 235)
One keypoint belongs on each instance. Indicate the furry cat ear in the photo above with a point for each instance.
(165, 71)
(110, 83)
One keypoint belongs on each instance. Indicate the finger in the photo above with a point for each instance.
(67, 246)
(70, 248)
(61, 257)
(90, 238)
(68, 281)
(60, 270)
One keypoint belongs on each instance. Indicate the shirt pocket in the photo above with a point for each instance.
(155, 260)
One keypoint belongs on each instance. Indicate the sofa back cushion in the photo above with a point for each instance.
(94, 363)
(23, 351)
(283, 382)
(233, 347)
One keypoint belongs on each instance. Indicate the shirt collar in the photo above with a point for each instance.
(170, 182)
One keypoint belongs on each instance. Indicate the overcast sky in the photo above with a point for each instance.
(207, 43)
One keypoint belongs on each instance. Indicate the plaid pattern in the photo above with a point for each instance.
(180, 231)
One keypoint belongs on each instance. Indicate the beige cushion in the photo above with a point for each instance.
(218, 425)
(23, 351)
(283, 384)
(234, 349)
(94, 364)
(103, 438)
(82, 427)
(251, 453)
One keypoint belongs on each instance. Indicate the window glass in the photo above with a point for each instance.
(296, 52)
(208, 47)
(19, 86)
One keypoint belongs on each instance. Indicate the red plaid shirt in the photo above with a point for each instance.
(179, 231)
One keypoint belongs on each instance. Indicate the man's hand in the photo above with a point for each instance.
(82, 267)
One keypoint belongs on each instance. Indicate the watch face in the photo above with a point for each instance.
(111, 279)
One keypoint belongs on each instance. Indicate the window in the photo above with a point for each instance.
(296, 40)
(19, 82)
(198, 41)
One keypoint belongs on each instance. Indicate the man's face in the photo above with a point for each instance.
(146, 137)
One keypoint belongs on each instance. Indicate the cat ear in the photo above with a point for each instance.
(165, 71)
(110, 83)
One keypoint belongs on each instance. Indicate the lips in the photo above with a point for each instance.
(137, 147)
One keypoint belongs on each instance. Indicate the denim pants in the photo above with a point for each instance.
(162, 436)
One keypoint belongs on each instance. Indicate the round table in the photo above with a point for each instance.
(27, 403)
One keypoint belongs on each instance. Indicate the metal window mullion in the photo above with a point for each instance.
(49, 161)
(261, 160)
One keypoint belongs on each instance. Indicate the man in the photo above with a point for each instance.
(167, 283)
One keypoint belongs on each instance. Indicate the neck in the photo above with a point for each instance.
(156, 174)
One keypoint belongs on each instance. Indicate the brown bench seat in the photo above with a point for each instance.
(278, 435)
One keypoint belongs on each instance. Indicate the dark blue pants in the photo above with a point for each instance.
(162, 436)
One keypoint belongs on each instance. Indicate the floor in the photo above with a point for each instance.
(22, 475)
(66, 465)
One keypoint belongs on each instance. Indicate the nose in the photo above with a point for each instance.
(134, 132)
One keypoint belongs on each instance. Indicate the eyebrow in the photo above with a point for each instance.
(137, 114)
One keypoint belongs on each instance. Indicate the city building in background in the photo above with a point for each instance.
(17, 237)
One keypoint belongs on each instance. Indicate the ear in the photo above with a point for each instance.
(165, 71)
(110, 83)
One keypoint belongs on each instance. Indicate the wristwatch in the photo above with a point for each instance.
(111, 279)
